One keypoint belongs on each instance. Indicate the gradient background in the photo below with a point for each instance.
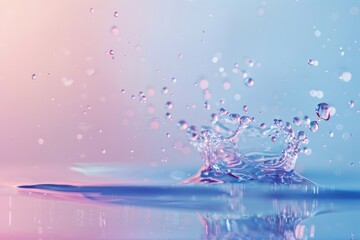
(92, 133)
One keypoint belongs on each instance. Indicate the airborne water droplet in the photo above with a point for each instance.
(314, 126)
(169, 105)
(297, 121)
(182, 124)
(249, 82)
(33, 76)
(116, 14)
(351, 104)
(168, 116)
(323, 111)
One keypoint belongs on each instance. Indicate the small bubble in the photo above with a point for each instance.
(169, 105)
(351, 104)
(182, 124)
(33, 76)
(346, 76)
(214, 59)
(323, 111)
(314, 126)
(249, 82)
(116, 14)
(331, 134)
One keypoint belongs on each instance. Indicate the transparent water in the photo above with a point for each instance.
(179, 120)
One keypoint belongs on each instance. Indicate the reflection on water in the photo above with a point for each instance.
(226, 211)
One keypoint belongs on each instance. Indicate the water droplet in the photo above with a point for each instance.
(173, 80)
(116, 14)
(307, 120)
(245, 120)
(342, 52)
(313, 62)
(33, 76)
(331, 134)
(317, 33)
(111, 52)
(182, 124)
(41, 141)
(249, 62)
(67, 82)
(323, 111)
(168, 116)
(91, 10)
(223, 111)
(314, 126)
(235, 117)
(297, 121)
(351, 104)
(115, 31)
(226, 85)
(79, 136)
(206, 105)
(204, 84)
(103, 151)
(245, 108)
(273, 138)
(249, 82)
(165, 90)
(168, 135)
(263, 126)
(90, 72)
(169, 105)
(346, 76)
(214, 118)
(122, 91)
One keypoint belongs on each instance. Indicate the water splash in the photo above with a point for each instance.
(237, 149)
